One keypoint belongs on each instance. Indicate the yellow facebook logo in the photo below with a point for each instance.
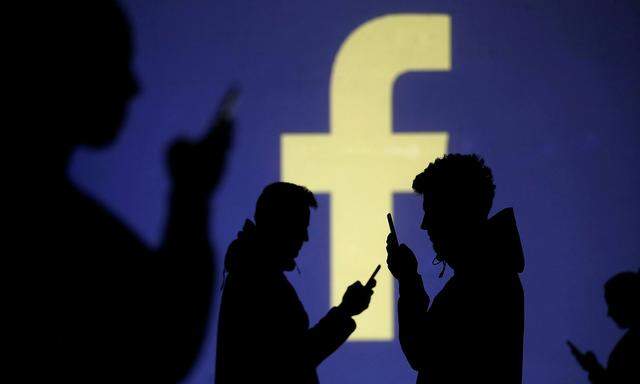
(361, 162)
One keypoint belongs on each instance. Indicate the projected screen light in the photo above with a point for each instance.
(352, 99)
(362, 162)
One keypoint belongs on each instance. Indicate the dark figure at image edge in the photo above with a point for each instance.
(103, 306)
(622, 294)
(473, 330)
(263, 328)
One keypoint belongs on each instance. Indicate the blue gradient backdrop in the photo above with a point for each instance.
(546, 91)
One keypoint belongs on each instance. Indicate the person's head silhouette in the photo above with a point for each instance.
(457, 192)
(282, 218)
(621, 293)
(90, 48)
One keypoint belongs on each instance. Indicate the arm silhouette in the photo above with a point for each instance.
(413, 303)
(413, 320)
(196, 168)
(334, 329)
(327, 336)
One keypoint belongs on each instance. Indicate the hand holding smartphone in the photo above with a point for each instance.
(577, 353)
(400, 259)
(587, 360)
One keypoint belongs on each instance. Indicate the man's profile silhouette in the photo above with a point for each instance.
(473, 330)
(622, 294)
(263, 329)
(105, 307)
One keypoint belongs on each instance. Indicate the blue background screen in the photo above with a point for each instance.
(546, 91)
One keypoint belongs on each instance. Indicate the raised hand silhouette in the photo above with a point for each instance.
(589, 362)
(401, 260)
(357, 298)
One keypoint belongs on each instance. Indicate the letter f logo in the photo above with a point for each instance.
(361, 163)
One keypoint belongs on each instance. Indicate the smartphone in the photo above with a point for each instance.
(222, 132)
(392, 228)
(574, 350)
(373, 275)
(572, 346)
(228, 102)
(579, 355)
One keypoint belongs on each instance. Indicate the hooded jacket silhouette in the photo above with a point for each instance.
(263, 330)
(473, 331)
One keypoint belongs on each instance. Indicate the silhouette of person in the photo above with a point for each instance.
(473, 330)
(622, 294)
(107, 307)
(263, 328)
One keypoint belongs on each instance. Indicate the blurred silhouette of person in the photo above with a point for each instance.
(263, 328)
(105, 306)
(473, 330)
(622, 294)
